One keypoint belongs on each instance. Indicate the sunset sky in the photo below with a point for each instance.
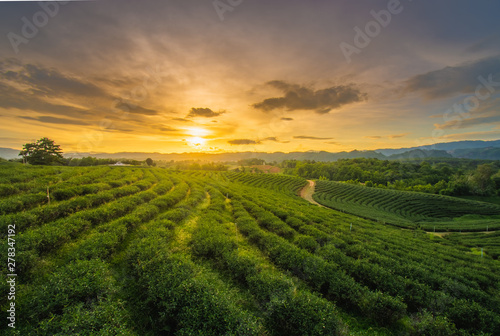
(242, 75)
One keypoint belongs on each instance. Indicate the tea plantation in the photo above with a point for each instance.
(409, 209)
(151, 251)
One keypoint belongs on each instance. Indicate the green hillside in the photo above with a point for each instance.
(151, 251)
(409, 209)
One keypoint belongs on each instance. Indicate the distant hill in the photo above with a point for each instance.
(445, 146)
(420, 154)
(483, 150)
(9, 153)
(490, 153)
(225, 157)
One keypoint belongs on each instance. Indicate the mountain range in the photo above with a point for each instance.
(484, 150)
(445, 146)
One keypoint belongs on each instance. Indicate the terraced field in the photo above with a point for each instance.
(488, 241)
(409, 209)
(148, 251)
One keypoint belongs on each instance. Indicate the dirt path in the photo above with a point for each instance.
(442, 234)
(307, 192)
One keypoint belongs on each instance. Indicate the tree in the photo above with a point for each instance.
(42, 152)
(150, 162)
(251, 162)
(481, 182)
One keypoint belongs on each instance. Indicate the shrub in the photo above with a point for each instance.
(425, 323)
(64, 194)
(471, 316)
(76, 299)
(211, 240)
(306, 242)
(7, 190)
(302, 314)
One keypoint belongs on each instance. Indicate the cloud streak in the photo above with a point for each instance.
(391, 136)
(136, 109)
(396, 136)
(494, 134)
(54, 120)
(11, 97)
(465, 123)
(307, 137)
(453, 80)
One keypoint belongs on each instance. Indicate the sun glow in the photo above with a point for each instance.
(197, 131)
(196, 139)
(196, 142)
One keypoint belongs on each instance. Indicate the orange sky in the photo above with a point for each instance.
(179, 77)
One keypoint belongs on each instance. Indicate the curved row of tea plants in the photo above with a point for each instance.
(399, 263)
(270, 181)
(73, 286)
(409, 209)
(487, 241)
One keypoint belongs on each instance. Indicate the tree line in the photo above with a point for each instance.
(454, 177)
(46, 152)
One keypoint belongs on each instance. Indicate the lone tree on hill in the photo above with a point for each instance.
(42, 152)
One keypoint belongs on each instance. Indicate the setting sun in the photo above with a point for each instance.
(197, 131)
(196, 142)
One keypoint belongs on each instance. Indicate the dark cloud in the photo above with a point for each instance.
(203, 112)
(168, 129)
(30, 87)
(11, 97)
(243, 142)
(454, 80)
(118, 81)
(395, 136)
(306, 137)
(298, 97)
(48, 81)
(271, 139)
(456, 124)
(287, 119)
(332, 143)
(182, 119)
(54, 120)
(136, 109)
